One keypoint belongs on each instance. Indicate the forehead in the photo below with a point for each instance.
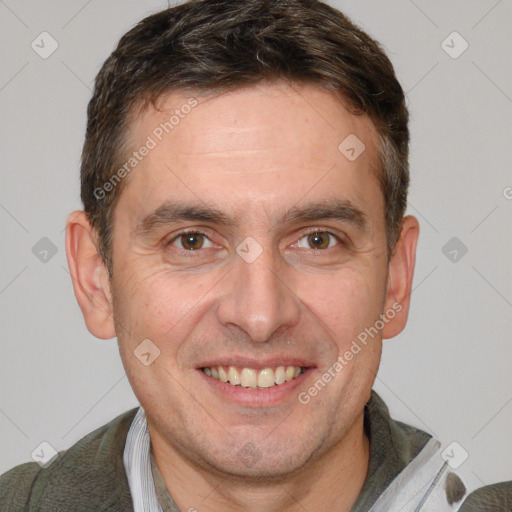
(269, 144)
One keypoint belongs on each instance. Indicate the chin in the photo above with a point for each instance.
(270, 463)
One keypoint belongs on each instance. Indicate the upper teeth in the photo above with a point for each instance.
(250, 378)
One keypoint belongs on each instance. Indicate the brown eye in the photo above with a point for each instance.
(319, 240)
(190, 241)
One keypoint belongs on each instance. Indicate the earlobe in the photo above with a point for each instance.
(400, 276)
(89, 275)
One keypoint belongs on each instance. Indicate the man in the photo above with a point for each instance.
(244, 180)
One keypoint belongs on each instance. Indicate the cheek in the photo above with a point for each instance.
(159, 304)
(346, 302)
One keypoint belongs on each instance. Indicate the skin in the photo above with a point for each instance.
(253, 153)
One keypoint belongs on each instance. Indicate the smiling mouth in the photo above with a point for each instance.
(256, 379)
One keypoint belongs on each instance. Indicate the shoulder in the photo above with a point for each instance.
(88, 473)
(491, 498)
(15, 486)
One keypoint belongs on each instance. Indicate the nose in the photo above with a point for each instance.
(259, 298)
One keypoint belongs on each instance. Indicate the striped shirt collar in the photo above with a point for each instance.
(136, 460)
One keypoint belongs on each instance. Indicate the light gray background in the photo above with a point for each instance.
(448, 373)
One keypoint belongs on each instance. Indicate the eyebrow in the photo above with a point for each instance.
(336, 209)
(169, 213)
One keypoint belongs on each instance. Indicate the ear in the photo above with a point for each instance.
(400, 275)
(89, 275)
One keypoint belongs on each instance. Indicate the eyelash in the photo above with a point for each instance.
(338, 239)
(186, 232)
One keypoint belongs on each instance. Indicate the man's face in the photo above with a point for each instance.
(283, 265)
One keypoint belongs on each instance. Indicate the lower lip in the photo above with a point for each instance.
(250, 397)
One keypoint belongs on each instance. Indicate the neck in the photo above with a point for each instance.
(333, 481)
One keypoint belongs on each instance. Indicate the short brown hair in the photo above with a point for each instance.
(217, 45)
